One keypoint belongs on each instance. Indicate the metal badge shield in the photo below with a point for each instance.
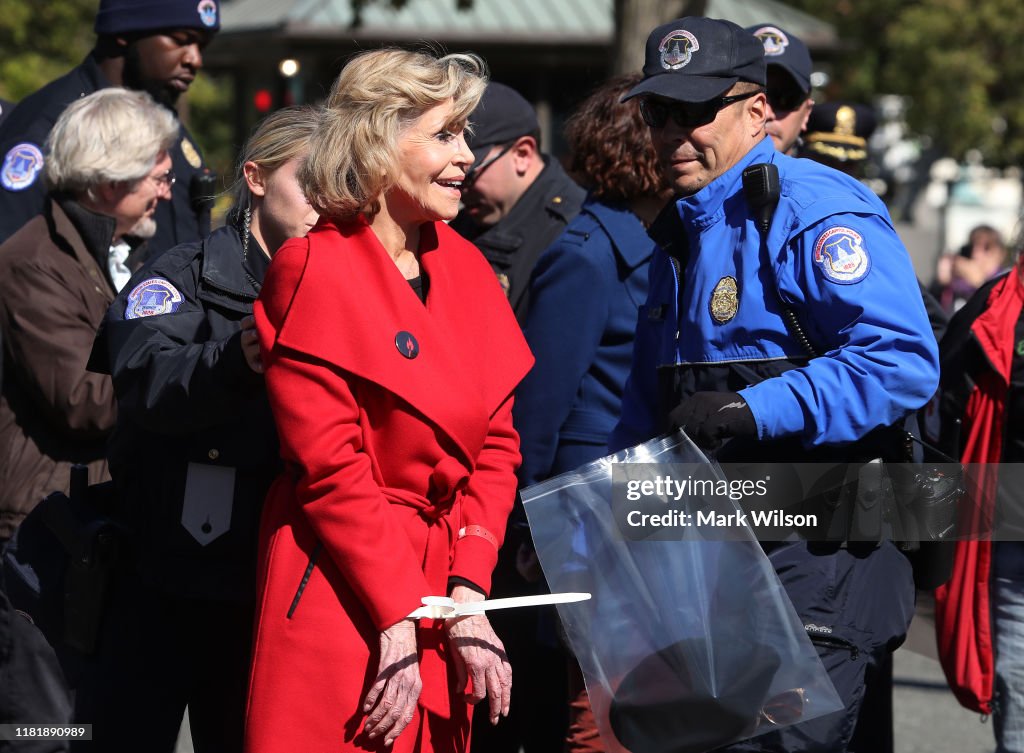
(840, 255)
(677, 49)
(191, 154)
(725, 301)
(774, 40)
(505, 283)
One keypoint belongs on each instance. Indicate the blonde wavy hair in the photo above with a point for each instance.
(353, 154)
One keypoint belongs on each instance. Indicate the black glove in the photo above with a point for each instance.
(709, 417)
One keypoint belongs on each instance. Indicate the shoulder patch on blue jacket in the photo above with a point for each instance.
(21, 167)
(152, 297)
(840, 255)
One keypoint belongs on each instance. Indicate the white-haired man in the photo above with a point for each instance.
(108, 167)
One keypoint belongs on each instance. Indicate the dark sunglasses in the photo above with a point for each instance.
(786, 100)
(478, 167)
(656, 112)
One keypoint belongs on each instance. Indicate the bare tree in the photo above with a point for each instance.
(634, 20)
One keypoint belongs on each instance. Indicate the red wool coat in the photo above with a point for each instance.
(962, 607)
(389, 458)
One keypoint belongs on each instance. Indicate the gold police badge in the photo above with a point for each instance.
(505, 283)
(725, 300)
(191, 154)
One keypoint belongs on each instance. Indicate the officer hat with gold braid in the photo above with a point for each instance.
(839, 131)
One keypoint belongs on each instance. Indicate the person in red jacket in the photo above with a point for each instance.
(390, 355)
(978, 616)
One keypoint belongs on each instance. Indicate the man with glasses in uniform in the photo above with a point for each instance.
(756, 244)
(516, 200)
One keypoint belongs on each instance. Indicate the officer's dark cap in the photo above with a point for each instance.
(695, 59)
(129, 16)
(502, 116)
(840, 131)
(785, 51)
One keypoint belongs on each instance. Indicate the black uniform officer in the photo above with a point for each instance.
(141, 44)
(516, 200)
(192, 456)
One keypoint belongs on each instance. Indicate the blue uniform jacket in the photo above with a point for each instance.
(833, 256)
(585, 292)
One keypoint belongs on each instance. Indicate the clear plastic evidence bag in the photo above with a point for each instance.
(690, 641)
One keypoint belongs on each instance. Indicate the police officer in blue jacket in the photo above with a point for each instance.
(141, 44)
(747, 282)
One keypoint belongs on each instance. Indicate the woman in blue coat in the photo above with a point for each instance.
(586, 289)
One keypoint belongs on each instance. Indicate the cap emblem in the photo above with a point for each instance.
(207, 12)
(774, 40)
(846, 121)
(677, 49)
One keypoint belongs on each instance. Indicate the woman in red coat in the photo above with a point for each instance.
(391, 355)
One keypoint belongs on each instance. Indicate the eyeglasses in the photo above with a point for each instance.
(656, 112)
(167, 179)
(786, 99)
(474, 171)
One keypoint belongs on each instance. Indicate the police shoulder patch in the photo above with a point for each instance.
(152, 297)
(839, 254)
(22, 164)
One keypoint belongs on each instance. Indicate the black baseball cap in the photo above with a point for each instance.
(502, 115)
(785, 51)
(695, 59)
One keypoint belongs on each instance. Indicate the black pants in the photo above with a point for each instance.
(32, 687)
(866, 597)
(160, 653)
(539, 713)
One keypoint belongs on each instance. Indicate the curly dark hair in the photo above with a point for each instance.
(610, 146)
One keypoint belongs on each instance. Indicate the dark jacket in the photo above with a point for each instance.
(23, 134)
(514, 244)
(585, 293)
(195, 448)
(53, 413)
